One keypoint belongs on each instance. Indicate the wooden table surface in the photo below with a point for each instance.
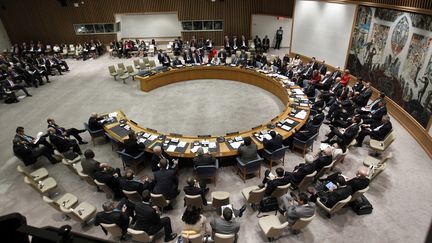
(271, 84)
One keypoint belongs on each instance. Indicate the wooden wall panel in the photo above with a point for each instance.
(47, 21)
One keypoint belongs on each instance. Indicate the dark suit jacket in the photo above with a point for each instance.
(205, 159)
(107, 178)
(146, 217)
(300, 172)
(350, 133)
(358, 183)
(382, 132)
(273, 184)
(131, 185)
(379, 113)
(336, 195)
(193, 190)
(25, 152)
(118, 218)
(94, 124)
(273, 144)
(322, 161)
(316, 120)
(132, 147)
(61, 143)
(248, 153)
(156, 159)
(166, 183)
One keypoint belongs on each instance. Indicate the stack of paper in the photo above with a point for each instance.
(152, 137)
(112, 114)
(301, 115)
(195, 149)
(286, 128)
(236, 145)
(181, 144)
(141, 140)
(212, 145)
(171, 148)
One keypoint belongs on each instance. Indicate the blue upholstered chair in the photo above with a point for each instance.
(207, 171)
(115, 144)
(276, 156)
(94, 133)
(131, 161)
(250, 167)
(304, 145)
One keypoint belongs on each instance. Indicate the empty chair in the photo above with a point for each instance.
(113, 230)
(280, 190)
(121, 66)
(112, 71)
(105, 188)
(301, 223)
(304, 145)
(207, 171)
(224, 238)
(146, 61)
(307, 180)
(195, 200)
(140, 235)
(94, 133)
(376, 166)
(67, 201)
(160, 201)
(42, 186)
(131, 161)
(122, 75)
(37, 175)
(339, 159)
(250, 167)
(71, 51)
(152, 64)
(381, 146)
(132, 196)
(151, 50)
(142, 66)
(136, 63)
(358, 194)
(86, 178)
(70, 166)
(131, 72)
(196, 238)
(276, 156)
(272, 227)
(253, 195)
(81, 213)
(335, 208)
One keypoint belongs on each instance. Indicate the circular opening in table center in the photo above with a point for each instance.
(206, 106)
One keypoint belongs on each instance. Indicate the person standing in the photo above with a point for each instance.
(279, 34)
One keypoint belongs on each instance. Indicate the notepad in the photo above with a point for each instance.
(152, 137)
(146, 135)
(236, 145)
(181, 144)
(171, 148)
(286, 128)
(112, 114)
(212, 145)
(141, 140)
(267, 136)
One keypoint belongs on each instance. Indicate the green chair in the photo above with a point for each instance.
(131, 72)
(121, 65)
(112, 71)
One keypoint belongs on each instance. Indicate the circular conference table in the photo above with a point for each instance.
(296, 112)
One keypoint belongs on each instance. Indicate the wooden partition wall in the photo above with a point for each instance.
(48, 21)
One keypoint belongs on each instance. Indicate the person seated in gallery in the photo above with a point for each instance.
(61, 143)
(376, 131)
(304, 134)
(345, 135)
(110, 177)
(371, 106)
(325, 82)
(317, 119)
(247, 151)
(166, 61)
(272, 181)
(29, 154)
(194, 222)
(187, 57)
(222, 54)
(323, 158)
(129, 183)
(243, 58)
(166, 181)
(203, 158)
(66, 132)
(90, 166)
(274, 143)
(131, 145)
(330, 196)
(296, 207)
(364, 95)
(177, 62)
(227, 223)
(194, 188)
(375, 116)
(300, 171)
(118, 215)
(158, 155)
(345, 78)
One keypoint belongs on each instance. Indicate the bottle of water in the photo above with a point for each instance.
(40, 184)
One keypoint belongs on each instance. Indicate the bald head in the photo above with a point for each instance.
(362, 171)
(157, 150)
(94, 114)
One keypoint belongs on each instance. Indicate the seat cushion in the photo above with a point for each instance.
(266, 223)
(247, 190)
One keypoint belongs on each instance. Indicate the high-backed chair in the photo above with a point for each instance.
(146, 61)
(301, 223)
(68, 200)
(113, 230)
(304, 145)
(195, 200)
(142, 66)
(81, 213)
(131, 161)
(121, 66)
(71, 167)
(94, 133)
(276, 156)
(131, 72)
(250, 167)
(381, 146)
(307, 180)
(122, 75)
(272, 227)
(86, 178)
(105, 188)
(324, 170)
(160, 201)
(196, 238)
(358, 194)
(253, 195)
(338, 206)
(43, 186)
(376, 166)
(136, 63)
(132, 196)
(112, 71)
(151, 50)
(152, 64)
(207, 171)
(280, 190)
(224, 238)
(37, 175)
(140, 235)
(339, 159)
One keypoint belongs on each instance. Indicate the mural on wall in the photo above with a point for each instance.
(393, 50)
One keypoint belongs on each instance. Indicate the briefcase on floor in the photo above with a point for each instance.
(361, 206)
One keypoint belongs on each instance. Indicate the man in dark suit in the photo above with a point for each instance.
(166, 181)
(11, 85)
(148, 220)
(375, 115)
(110, 177)
(332, 196)
(66, 132)
(61, 143)
(203, 159)
(300, 171)
(279, 34)
(166, 61)
(29, 154)
(247, 151)
(266, 43)
(257, 42)
(128, 183)
(272, 181)
(274, 143)
(317, 119)
(325, 158)
(304, 134)
(359, 182)
(222, 55)
(377, 131)
(94, 122)
(177, 62)
(131, 145)
(193, 188)
(345, 135)
(115, 215)
(158, 155)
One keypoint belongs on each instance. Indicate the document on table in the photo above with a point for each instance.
(286, 128)
(195, 148)
(112, 114)
(267, 136)
(181, 144)
(171, 148)
(301, 115)
(289, 121)
(212, 145)
(236, 145)
(141, 140)
(152, 137)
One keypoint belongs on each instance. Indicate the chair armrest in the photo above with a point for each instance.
(266, 152)
(241, 163)
(217, 164)
(139, 155)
